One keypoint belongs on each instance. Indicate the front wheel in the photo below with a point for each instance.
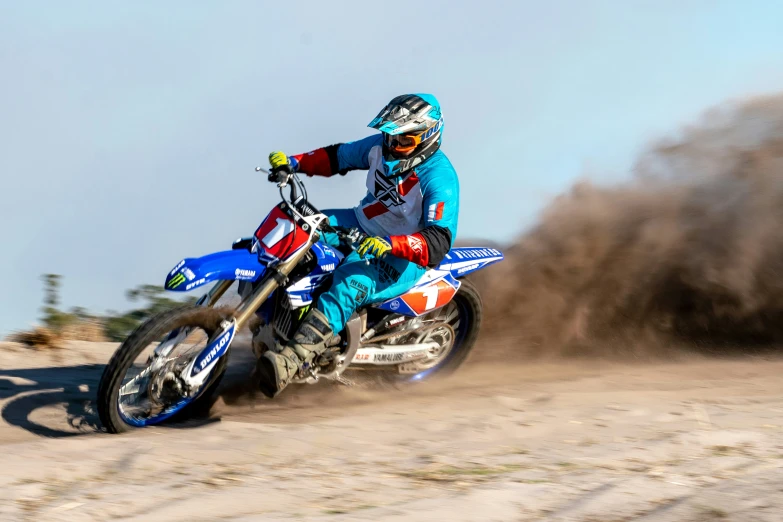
(139, 387)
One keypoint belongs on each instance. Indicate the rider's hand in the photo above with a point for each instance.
(377, 246)
(279, 161)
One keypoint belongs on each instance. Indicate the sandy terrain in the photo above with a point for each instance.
(687, 250)
(691, 440)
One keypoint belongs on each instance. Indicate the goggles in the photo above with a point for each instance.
(402, 143)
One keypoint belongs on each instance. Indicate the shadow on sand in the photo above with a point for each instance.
(30, 389)
(60, 401)
(34, 399)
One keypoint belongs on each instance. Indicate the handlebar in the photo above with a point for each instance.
(351, 237)
(285, 176)
(281, 175)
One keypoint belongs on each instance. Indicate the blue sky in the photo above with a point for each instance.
(129, 130)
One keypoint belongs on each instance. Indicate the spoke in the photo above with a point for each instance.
(138, 397)
(453, 314)
(129, 391)
(132, 386)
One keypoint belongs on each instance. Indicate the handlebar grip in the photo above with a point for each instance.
(350, 236)
(280, 174)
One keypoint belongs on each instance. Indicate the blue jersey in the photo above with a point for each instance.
(416, 211)
(425, 196)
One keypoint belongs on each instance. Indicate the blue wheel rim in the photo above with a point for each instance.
(168, 412)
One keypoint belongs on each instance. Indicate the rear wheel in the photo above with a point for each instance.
(455, 327)
(137, 389)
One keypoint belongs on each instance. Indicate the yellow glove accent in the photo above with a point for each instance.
(278, 159)
(377, 246)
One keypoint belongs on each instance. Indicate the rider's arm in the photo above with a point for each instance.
(429, 246)
(338, 158)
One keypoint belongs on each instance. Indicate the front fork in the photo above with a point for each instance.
(215, 293)
(276, 276)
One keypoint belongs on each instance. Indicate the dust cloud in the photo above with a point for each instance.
(686, 254)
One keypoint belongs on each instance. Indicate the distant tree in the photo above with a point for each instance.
(81, 313)
(53, 317)
(119, 326)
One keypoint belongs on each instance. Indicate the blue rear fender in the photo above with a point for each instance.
(461, 261)
(458, 263)
(193, 272)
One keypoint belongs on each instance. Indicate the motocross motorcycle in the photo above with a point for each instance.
(173, 363)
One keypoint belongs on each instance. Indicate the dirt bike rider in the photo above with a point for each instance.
(409, 213)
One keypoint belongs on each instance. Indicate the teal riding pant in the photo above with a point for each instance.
(358, 282)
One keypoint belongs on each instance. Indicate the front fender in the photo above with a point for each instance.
(193, 272)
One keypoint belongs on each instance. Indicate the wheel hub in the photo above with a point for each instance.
(167, 387)
(441, 334)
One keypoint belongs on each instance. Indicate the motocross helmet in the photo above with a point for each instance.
(412, 127)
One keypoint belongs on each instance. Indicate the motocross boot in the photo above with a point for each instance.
(276, 368)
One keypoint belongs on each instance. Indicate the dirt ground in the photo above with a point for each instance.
(695, 439)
